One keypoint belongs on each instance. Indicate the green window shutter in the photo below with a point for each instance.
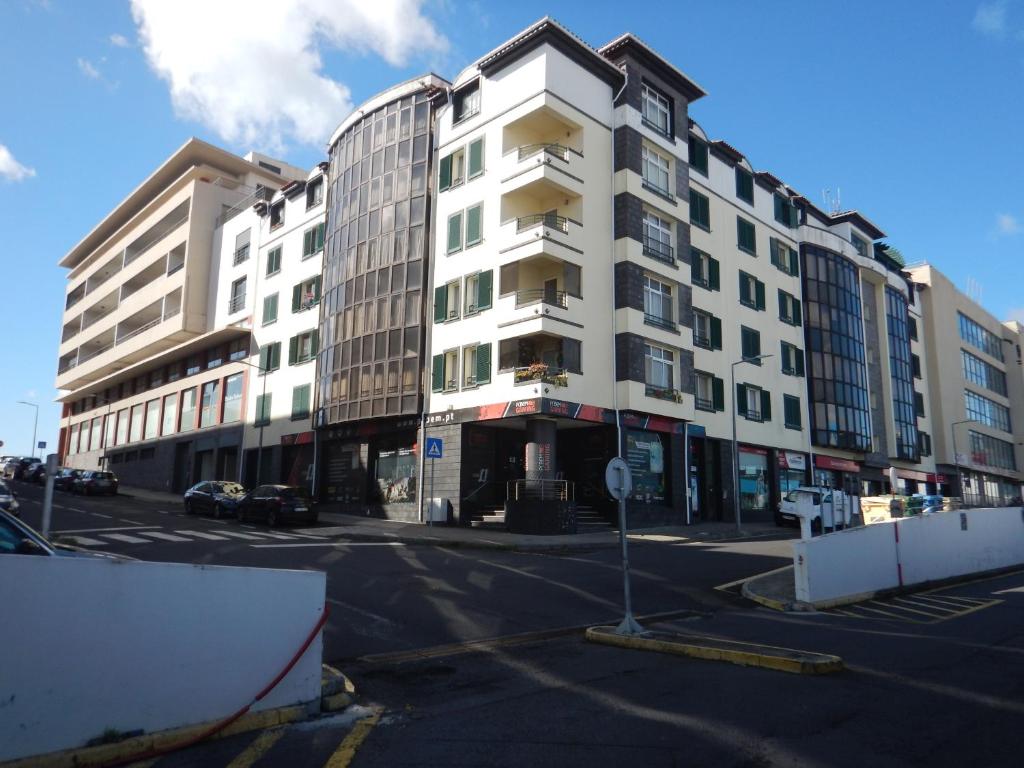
(797, 318)
(798, 359)
(316, 287)
(275, 355)
(714, 275)
(455, 232)
(444, 174)
(293, 349)
(440, 304)
(319, 237)
(307, 243)
(296, 297)
(696, 271)
(473, 223)
(476, 158)
(759, 294)
(314, 343)
(437, 374)
(782, 304)
(483, 289)
(718, 393)
(264, 358)
(716, 333)
(794, 262)
(741, 399)
(766, 405)
(784, 356)
(483, 363)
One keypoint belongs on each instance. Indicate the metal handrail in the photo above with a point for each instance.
(541, 490)
(561, 223)
(659, 250)
(236, 303)
(241, 255)
(554, 149)
(662, 322)
(140, 329)
(91, 355)
(526, 296)
(166, 231)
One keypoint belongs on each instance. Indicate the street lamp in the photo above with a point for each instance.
(956, 456)
(263, 421)
(735, 444)
(35, 427)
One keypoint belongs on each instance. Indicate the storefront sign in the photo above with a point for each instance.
(752, 449)
(302, 438)
(910, 474)
(792, 460)
(934, 478)
(562, 408)
(839, 465)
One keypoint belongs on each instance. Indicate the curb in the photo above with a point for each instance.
(336, 690)
(712, 649)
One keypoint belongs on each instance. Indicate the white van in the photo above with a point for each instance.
(786, 513)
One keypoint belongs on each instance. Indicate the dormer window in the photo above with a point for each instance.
(277, 215)
(466, 102)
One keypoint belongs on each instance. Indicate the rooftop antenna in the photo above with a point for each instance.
(832, 205)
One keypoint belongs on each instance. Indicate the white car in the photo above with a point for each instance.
(786, 513)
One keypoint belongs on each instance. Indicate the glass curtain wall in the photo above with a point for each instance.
(904, 415)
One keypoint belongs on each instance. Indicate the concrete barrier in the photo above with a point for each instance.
(95, 647)
(847, 565)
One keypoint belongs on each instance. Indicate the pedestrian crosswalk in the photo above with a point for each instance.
(99, 537)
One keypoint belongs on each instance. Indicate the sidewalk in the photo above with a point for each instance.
(355, 528)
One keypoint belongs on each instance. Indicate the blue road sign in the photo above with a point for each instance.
(434, 448)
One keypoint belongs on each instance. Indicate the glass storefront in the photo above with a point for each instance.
(396, 474)
(753, 470)
(645, 455)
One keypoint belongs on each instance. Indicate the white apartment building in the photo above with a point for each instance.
(269, 266)
(150, 380)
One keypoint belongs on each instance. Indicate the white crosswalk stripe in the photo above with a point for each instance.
(201, 535)
(127, 539)
(85, 541)
(164, 536)
(240, 535)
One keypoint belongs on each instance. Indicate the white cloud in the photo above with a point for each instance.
(11, 169)
(119, 41)
(256, 76)
(990, 18)
(1007, 224)
(89, 69)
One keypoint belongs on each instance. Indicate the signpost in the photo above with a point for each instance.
(435, 450)
(51, 470)
(620, 483)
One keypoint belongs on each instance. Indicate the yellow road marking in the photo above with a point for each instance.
(259, 747)
(890, 614)
(347, 749)
(904, 605)
(965, 611)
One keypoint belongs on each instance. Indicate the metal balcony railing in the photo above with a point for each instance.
(163, 230)
(144, 327)
(663, 393)
(659, 250)
(552, 220)
(241, 255)
(236, 303)
(661, 322)
(555, 150)
(90, 355)
(529, 374)
(541, 490)
(526, 296)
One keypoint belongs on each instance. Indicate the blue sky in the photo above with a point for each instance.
(915, 115)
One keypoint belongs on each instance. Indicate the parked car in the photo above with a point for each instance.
(95, 481)
(275, 504)
(215, 497)
(8, 499)
(19, 538)
(7, 472)
(786, 512)
(65, 478)
(14, 469)
(34, 473)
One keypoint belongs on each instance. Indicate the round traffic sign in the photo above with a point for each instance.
(618, 479)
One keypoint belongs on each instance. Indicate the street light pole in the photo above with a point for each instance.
(259, 452)
(35, 427)
(956, 456)
(735, 444)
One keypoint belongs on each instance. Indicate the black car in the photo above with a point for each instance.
(35, 473)
(65, 478)
(275, 504)
(8, 499)
(92, 482)
(215, 497)
(18, 538)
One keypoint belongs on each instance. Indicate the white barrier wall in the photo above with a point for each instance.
(89, 645)
(914, 550)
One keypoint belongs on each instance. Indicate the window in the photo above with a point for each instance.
(476, 158)
(912, 326)
(980, 337)
(152, 428)
(270, 357)
(242, 247)
(791, 412)
(110, 427)
(658, 366)
(170, 414)
(478, 292)
(750, 344)
(466, 102)
(654, 168)
(744, 185)
(656, 110)
(238, 349)
(446, 302)
(277, 215)
(658, 303)
(135, 430)
(455, 232)
(987, 412)
(476, 364)
(919, 405)
(789, 308)
(303, 347)
(792, 359)
(314, 192)
(214, 357)
(751, 292)
(859, 245)
(122, 426)
(237, 301)
(188, 410)
(745, 237)
(270, 309)
(313, 241)
(753, 403)
(474, 215)
(445, 372)
(208, 405)
(924, 443)
(698, 155)
(657, 234)
(263, 409)
(710, 392)
(306, 295)
(784, 257)
(785, 212)
(232, 398)
(274, 261)
(700, 210)
(991, 452)
(915, 365)
(977, 371)
(452, 170)
(300, 402)
(704, 270)
(707, 330)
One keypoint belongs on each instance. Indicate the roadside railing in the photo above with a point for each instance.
(541, 490)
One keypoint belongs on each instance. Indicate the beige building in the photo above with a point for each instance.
(976, 391)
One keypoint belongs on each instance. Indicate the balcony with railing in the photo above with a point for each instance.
(539, 358)
(540, 373)
(157, 232)
(658, 249)
(540, 284)
(236, 303)
(663, 393)
(663, 320)
(543, 136)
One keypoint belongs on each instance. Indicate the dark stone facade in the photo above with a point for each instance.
(629, 357)
(629, 286)
(628, 217)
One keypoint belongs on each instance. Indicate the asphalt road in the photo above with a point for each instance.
(934, 680)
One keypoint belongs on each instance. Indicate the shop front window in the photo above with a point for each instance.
(396, 474)
(645, 455)
(753, 481)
